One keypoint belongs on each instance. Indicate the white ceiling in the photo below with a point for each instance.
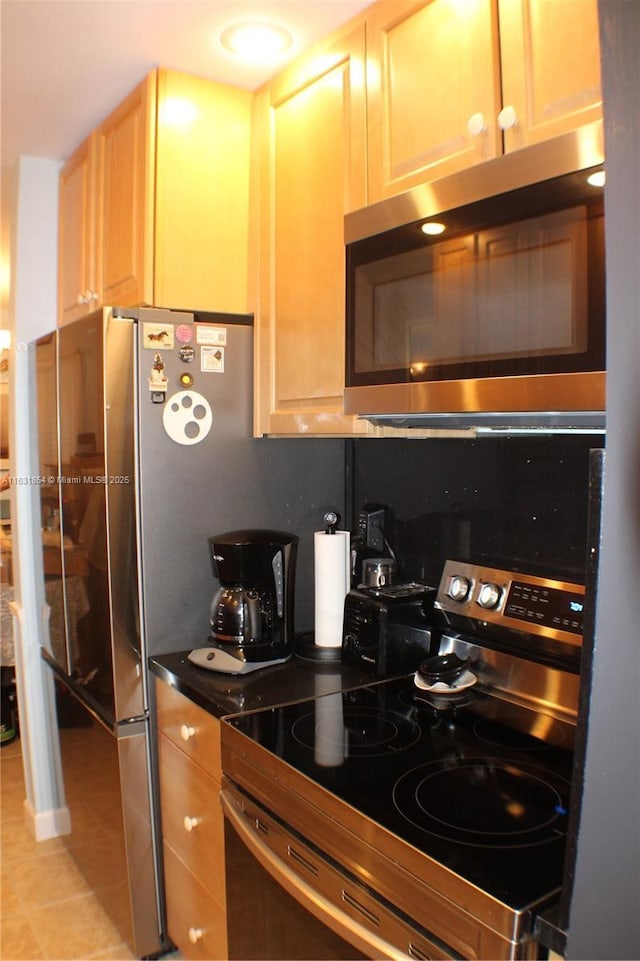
(66, 63)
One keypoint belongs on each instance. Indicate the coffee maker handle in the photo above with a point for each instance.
(255, 623)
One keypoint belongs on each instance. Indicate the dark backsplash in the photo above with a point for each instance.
(517, 502)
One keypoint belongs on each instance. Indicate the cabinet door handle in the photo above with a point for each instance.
(189, 823)
(476, 124)
(195, 935)
(507, 118)
(187, 732)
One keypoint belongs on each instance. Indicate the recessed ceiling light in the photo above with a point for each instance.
(433, 228)
(256, 42)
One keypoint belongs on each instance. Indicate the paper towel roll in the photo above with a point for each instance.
(332, 579)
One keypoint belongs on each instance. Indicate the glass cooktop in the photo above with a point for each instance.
(478, 784)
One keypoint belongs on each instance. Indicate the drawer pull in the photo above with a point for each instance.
(195, 935)
(190, 823)
(187, 732)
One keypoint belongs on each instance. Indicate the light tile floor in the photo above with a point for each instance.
(47, 910)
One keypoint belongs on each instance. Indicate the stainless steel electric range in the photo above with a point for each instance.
(413, 821)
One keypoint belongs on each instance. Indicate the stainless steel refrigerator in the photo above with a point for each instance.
(146, 450)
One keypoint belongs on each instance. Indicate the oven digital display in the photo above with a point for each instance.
(558, 609)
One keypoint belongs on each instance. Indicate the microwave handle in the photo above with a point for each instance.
(311, 899)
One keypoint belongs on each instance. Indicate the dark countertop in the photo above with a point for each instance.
(222, 694)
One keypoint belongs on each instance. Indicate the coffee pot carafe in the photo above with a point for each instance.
(252, 610)
(241, 615)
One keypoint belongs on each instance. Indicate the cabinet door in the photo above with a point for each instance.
(79, 280)
(550, 59)
(202, 194)
(309, 126)
(127, 147)
(433, 90)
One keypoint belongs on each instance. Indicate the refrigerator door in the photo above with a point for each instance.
(106, 775)
(96, 431)
(63, 559)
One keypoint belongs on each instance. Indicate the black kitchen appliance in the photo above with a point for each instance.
(385, 629)
(419, 820)
(252, 610)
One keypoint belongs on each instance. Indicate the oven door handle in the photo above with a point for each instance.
(316, 903)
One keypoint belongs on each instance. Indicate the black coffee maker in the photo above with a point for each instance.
(252, 610)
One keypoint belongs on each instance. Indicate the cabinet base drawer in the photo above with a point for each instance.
(192, 822)
(195, 732)
(196, 923)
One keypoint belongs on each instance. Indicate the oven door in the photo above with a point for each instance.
(285, 901)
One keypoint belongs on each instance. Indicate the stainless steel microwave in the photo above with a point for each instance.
(480, 299)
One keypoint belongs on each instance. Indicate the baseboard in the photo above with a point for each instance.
(48, 824)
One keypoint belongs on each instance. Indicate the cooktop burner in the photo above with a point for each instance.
(356, 732)
(482, 801)
(463, 779)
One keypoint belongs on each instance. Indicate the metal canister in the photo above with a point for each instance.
(378, 571)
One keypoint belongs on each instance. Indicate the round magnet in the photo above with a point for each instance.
(184, 333)
(186, 354)
(187, 417)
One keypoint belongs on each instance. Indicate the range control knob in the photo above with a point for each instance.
(489, 595)
(459, 587)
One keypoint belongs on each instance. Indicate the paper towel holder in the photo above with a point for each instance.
(331, 520)
(306, 646)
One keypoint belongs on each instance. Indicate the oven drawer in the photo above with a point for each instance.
(196, 923)
(192, 822)
(190, 728)
(343, 905)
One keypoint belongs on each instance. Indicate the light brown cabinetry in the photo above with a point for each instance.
(79, 281)
(155, 211)
(192, 825)
(452, 84)
(126, 142)
(309, 150)
(550, 68)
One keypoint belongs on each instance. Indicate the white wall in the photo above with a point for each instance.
(32, 312)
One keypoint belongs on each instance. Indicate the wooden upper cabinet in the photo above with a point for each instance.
(127, 145)
(452, 83)
(309, 150)
(154, 206)
(550, 65)
(431, 67)
(202, 194)
(79, 280)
